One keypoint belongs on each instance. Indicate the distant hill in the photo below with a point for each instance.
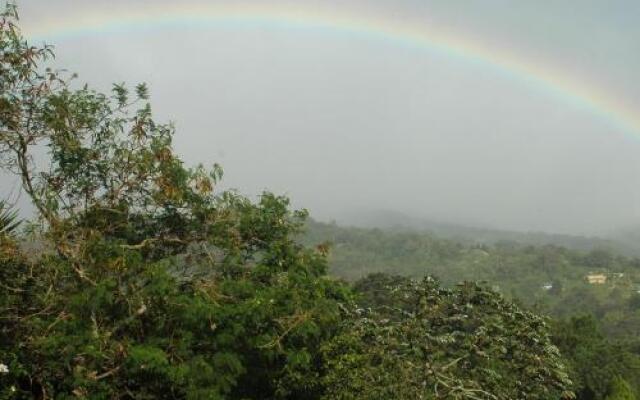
(628, 237)
(549, 277)
(625, 242)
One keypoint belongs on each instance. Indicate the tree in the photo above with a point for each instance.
(9, 221)
(598, 259)
(594, 363)
(620, 390)
(375, 292)
(431, 342)
(157, 286)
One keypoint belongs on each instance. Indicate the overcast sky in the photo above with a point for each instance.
(342, 122)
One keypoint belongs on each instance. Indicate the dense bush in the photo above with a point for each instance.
(420, 340)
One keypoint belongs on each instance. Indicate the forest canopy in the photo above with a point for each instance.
(150, 282)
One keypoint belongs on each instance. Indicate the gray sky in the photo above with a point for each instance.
(343, 122)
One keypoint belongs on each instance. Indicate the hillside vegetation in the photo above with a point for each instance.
(621, 241)
(596, 325)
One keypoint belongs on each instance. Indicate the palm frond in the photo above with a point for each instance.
(9, 221)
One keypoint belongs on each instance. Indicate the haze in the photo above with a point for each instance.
(344, 123)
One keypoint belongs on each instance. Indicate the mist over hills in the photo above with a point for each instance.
(624, 241)
(628, 236)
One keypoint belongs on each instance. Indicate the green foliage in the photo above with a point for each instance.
(620, 390)
(425, 341)
(9, 221)
(521, 273)
(594, 362)
(132, 324)
(156, 286)
(378, 291)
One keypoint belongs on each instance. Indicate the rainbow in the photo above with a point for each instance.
(583, 95)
